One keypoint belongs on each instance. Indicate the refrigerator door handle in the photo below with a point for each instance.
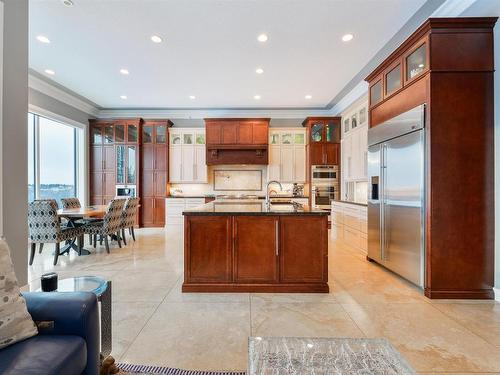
(382, 200)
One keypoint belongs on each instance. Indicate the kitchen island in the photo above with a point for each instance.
(248, 246)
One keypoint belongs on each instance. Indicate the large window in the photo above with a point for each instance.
(52, 156)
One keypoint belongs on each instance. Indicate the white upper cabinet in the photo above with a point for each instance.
(187, 156)
(354, 142)
(287, 155)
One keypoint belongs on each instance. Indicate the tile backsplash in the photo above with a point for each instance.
(237, 180)
(231, 179)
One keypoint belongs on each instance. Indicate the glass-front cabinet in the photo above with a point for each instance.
(161, 134)
(132, 134)
(120, 164)
(108, 134)
(324, 131)
(317, 130)
(147, 134)
(96, 136)
(416, 62)
(126, 164)
(200, 138)
(376, 93)
(393, 80)
(131, 165)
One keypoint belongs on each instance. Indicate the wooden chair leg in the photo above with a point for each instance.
(40, 248)
(95, 240)
(133, 233)
(32, 252)
(123, 237)
(106, 242)
(56, 253)
(118, 239)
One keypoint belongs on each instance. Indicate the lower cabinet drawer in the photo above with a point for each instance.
(351, 237)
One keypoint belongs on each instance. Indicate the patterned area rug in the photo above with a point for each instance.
(128, 369)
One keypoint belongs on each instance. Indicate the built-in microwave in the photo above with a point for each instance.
(126, 191)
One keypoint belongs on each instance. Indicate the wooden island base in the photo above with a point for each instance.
(267, 252)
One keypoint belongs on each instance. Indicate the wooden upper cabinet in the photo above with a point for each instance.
(260, 133)
(228, 136)
(244, 133)
(237, 131)
(213, 132)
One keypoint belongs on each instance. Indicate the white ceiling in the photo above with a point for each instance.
(210, 49)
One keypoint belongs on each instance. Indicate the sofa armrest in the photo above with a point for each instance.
(72, 313)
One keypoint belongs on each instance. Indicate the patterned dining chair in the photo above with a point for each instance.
(44, 227)
(128, 217)
(69, 203)
(110, 224)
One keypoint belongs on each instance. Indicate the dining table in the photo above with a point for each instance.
(72, 215)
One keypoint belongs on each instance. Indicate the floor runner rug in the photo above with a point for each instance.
(128, 369)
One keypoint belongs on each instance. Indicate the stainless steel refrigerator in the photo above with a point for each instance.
(396, 196)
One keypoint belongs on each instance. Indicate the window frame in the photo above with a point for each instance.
(79, 189)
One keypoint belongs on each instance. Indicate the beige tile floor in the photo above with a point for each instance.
(154, 323)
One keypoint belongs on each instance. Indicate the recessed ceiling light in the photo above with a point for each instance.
(192, 97)
(256, 97)
(156, 39)
(68, 3)
(347, 37)
(262, 38)
(124, 97)
(43, 39)
(308, 97)
(125, 72)
(259, 70)
(50, 72)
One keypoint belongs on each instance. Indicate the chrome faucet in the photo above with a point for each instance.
(268, 202)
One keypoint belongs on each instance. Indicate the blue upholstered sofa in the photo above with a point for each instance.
(69, 345)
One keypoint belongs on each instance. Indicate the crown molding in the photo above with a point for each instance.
(207, 113)
(61, 95)
(352, 96)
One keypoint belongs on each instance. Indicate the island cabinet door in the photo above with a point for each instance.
(303, 249)
(212, 263)
(255, 249)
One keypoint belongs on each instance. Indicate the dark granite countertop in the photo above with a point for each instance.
(251, 208)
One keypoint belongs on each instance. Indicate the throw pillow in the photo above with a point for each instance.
(16, 323)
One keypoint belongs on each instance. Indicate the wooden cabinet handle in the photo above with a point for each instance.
(276, 237)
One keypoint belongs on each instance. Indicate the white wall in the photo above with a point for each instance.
(14, 133)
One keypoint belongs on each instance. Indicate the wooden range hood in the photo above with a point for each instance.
(237, 141)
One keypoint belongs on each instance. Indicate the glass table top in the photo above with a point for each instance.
(94, 284)
(325, 356)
